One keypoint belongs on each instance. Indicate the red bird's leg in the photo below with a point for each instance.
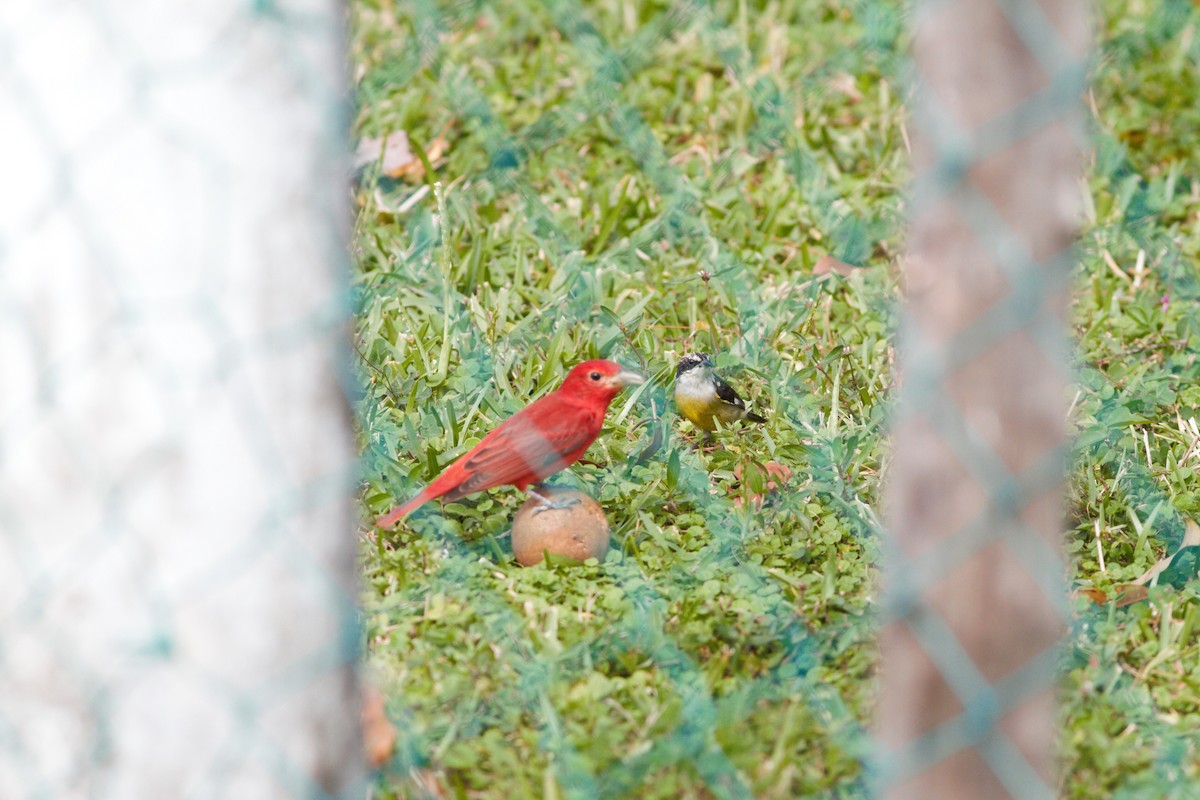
(546, 504)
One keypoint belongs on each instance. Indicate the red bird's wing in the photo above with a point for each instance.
(538, 442)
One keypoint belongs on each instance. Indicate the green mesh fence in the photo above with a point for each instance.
(479, 294)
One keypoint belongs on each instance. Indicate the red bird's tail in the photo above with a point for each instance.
(392, 517)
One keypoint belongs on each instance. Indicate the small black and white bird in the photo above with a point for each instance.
(704, 399)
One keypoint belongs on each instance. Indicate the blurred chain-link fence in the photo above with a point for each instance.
(975, 592)
(177, 589)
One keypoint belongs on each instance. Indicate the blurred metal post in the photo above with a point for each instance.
(177, 566)
(974, 595)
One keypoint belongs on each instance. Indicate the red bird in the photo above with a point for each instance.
(548, 435)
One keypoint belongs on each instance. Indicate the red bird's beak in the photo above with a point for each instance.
(625, 378)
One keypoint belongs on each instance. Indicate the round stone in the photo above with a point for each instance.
(578, 532)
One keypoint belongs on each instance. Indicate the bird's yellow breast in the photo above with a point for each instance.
(703, 412)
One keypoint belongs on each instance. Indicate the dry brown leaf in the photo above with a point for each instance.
(777, 475)
(398, 157)
(1126, 594)
(435, 152)
(378, 732)
(827, 264)
(1097, 596)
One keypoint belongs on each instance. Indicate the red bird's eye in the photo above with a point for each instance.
(595, 376)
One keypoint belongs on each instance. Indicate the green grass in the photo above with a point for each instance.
(632, 182)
